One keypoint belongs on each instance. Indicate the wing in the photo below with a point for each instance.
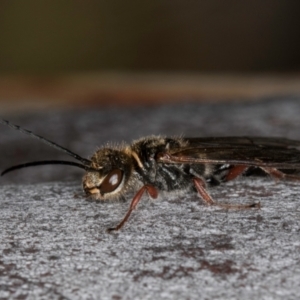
(261, 152)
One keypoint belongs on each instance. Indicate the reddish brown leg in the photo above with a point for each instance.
(153, 194)
(235, 172)
(276, 174)
(200, 186)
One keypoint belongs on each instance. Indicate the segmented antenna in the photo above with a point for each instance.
(85, 161)
(47, 162)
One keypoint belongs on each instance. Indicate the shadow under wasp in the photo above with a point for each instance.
(157, 163)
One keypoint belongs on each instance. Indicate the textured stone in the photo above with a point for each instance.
(54, 244)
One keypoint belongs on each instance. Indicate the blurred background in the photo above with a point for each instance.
(62, 53)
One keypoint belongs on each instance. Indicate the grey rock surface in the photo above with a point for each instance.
(54, 243)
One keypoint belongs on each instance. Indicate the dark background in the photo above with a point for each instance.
(212, 35)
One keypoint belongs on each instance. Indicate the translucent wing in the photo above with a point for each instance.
(261, 152)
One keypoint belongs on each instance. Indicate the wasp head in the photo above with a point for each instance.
(112, 173)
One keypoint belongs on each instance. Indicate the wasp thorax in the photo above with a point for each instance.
(112, 171)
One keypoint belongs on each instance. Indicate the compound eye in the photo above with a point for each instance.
(111, 181)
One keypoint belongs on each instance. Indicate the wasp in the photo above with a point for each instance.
(156, 163)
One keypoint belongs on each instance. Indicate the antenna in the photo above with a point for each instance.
(86, 162)
(47, 162)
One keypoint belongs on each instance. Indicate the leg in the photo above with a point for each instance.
(235, 172)
(200, 186)
(151, 191)
(276, 174)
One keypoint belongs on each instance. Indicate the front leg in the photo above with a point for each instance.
(153, 194)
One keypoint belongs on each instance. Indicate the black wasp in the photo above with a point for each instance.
(157, 163)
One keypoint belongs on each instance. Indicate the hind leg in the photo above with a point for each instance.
(276, 174)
